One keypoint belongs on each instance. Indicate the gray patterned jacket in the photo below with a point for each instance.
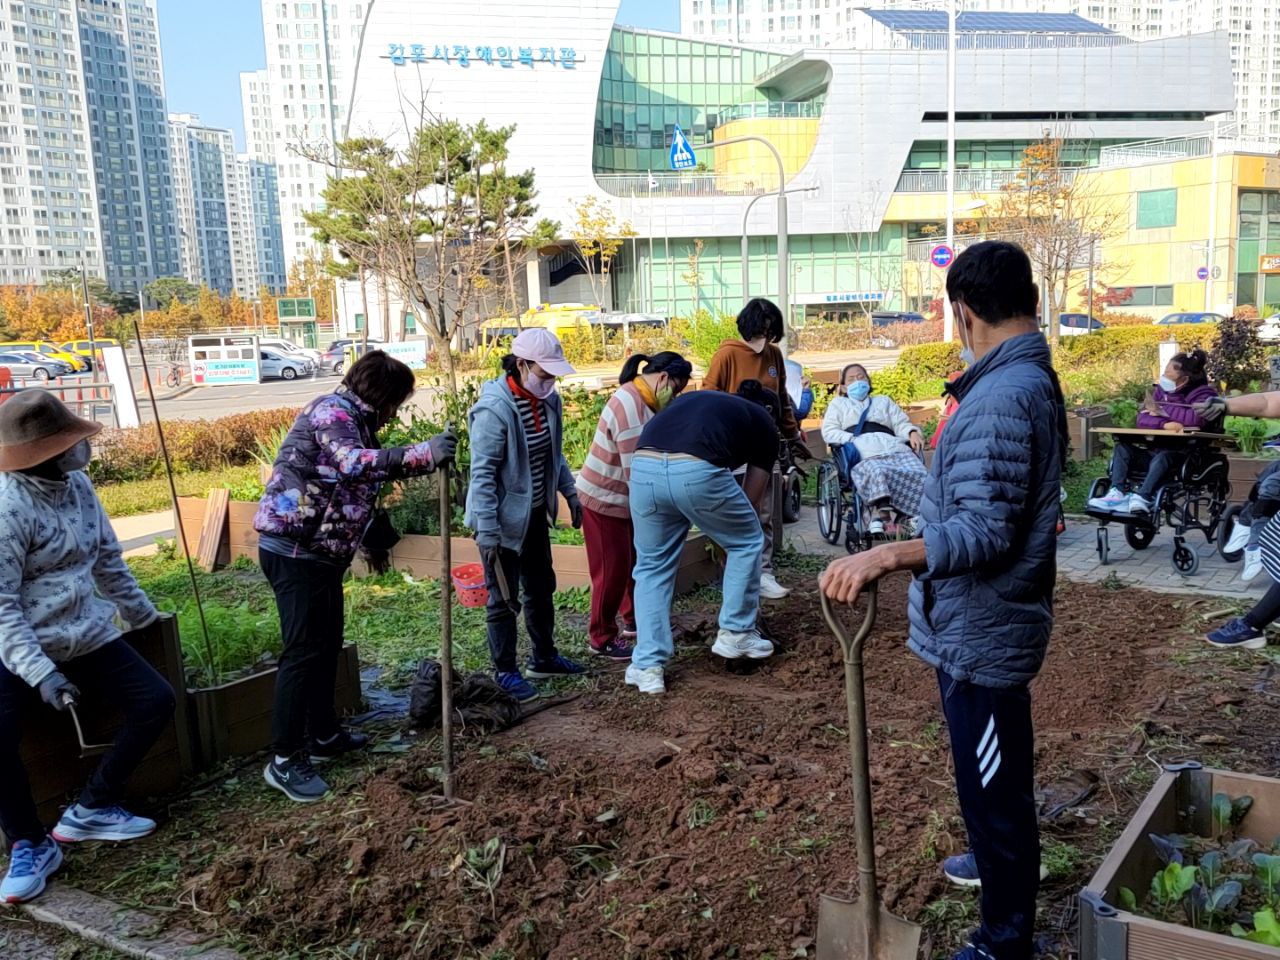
(56, 547)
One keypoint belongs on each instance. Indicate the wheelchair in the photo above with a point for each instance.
(841, 506)
(1195, 499)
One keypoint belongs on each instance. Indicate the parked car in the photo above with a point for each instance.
(334, 360)
(33, 366)
(287, 366)
(1074, 324)
(1177, 318)
(288, 346)
(81, 348)
(884, 318)
(1269, 329)
(46, 349)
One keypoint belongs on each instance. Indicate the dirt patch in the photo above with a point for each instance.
(705, 823)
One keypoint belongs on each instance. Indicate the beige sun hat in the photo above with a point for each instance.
(36, 426)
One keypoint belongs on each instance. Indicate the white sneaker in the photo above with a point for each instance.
(1136, 504)
(1113, 501)
(771, 589)
(876, 527)
(1239, 538)
(732, 645)
(1252, 564)
(648, 680)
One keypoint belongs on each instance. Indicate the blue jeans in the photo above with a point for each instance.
(667, 497)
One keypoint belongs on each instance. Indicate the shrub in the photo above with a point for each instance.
(1116, 319)
(931, 361)
(582, 344)
(1111, 345)
(908, 334)
(705, 332)
(194, 445)
(896, 382)
(829, 335)
(1237, 357)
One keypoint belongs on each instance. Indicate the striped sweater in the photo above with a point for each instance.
(605, 476)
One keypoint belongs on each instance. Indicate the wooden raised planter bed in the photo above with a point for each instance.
(1086, 445)
(234, 719)
(420, 555)
(51, 753)
(1178, 803)
(1245, 468)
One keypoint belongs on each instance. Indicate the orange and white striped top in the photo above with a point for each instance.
(604, 481)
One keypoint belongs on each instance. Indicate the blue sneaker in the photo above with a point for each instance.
(962, 870)
(517, 686)
(30, 867)
(1237, 634)
(110, 823)
(971, 952)
(558, 667)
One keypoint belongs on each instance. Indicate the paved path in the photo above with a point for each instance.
(137, 534)
(1078, 560)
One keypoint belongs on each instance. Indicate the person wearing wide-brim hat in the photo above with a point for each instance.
(62, 583)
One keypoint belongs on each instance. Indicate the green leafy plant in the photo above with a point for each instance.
(1267, 875)
(1266, 929)
(1171, 884)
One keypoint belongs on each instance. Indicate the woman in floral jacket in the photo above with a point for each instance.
(315, 514)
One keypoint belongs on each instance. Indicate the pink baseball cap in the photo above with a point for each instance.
(541, 346)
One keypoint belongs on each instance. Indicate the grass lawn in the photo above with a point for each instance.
(148, 496)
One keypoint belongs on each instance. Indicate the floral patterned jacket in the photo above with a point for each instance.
(325, 482)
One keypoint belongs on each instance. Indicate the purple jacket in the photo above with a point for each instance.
(325, 481)
(1174, 406)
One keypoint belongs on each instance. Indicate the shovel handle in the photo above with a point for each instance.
(851, 646)
(856, 703)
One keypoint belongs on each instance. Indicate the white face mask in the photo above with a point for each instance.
(967, 356)
(1167, 385)
(77, 458)
(757, 344)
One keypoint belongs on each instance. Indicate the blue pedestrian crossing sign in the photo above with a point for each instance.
(682, 155)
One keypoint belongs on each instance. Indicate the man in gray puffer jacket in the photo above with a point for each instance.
(981, 607)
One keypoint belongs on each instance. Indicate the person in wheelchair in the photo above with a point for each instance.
(876, 447)
(1171, 406)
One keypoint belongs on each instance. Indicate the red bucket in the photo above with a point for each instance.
(468, 583)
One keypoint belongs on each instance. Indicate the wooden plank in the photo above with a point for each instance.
(213, 528)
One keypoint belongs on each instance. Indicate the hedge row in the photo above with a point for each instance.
(235, 440)
(1121, 342)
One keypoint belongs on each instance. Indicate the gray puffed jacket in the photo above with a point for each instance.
(982, 610)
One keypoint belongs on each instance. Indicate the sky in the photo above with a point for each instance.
(207, 43)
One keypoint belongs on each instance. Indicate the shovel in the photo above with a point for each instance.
(861, 929)
(86, 749)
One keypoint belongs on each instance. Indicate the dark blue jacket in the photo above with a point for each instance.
(982, 610)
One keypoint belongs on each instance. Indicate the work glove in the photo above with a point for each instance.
(444, 447)
(1212, 408)
(55, 688)
(575, 513)
(488, 542)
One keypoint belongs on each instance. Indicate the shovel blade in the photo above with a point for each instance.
(842, 934)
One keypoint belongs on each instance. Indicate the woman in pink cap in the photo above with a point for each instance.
(517, 470)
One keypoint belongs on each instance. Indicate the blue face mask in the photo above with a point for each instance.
(859, 390)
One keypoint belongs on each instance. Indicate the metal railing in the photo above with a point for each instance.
(1156, 151)
(89, 400)
(970, 181)
(918, 250)
(785, 109)
(693, 185)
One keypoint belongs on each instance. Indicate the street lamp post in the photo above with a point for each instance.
(746, 245)
(948, 321)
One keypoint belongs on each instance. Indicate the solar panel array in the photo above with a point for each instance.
(978, 22)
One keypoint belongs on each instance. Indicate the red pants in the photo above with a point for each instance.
(611, 556)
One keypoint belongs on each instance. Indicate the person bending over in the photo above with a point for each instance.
(62, 583)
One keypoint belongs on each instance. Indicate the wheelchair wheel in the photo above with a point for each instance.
(830, 503)
(1185, 560)
(791, 497)
(1138, 537)
(1226, 527)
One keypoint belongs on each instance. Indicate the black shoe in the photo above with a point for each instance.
(296, 779)
(343, 742)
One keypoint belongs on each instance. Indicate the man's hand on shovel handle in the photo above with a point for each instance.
(847, 577)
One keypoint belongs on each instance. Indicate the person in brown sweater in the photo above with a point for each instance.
(757, 357)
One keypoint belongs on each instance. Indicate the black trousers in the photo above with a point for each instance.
(1266, 610)
(1157, 465)
(114, 675)
(309, 598)
(528, 573)
(993, 748)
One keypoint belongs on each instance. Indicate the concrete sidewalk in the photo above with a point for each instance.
(138, 534)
